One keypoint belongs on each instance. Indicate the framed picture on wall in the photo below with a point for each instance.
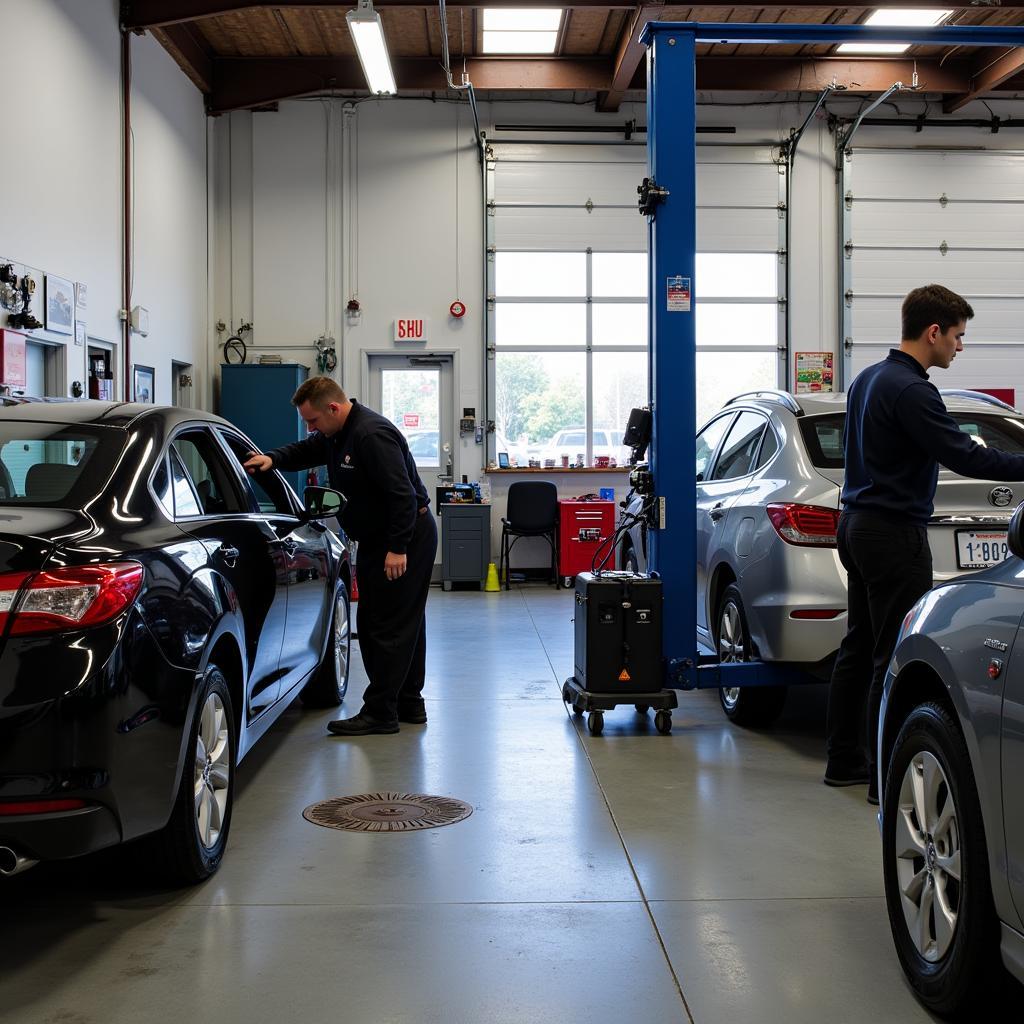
(144, 384)
(60, 305)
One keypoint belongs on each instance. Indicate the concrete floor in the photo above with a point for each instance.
(706, 876)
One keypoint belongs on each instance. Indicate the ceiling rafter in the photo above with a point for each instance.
(988, 76)
(630, 56)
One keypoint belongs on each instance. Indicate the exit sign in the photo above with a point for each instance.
(411, 330)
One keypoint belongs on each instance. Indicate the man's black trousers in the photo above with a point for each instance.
(889, 566)
(391, 619)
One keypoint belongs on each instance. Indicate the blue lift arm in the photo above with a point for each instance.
(671, 198)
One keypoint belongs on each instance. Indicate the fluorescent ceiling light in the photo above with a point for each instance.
(895, 17)
(368, 34)
(905, 16)
(521, 31)
(873, 47)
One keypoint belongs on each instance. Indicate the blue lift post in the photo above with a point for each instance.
(672, 244)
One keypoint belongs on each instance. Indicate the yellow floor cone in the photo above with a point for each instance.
(492, 586)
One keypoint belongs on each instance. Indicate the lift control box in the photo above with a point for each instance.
(618, 633)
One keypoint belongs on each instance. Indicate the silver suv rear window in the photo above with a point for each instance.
(823, 435)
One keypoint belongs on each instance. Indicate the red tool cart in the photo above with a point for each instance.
(582, 526)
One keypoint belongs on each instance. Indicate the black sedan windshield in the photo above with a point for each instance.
(54, 465)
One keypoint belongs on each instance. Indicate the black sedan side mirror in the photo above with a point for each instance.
(1015, 533)
(323, 502)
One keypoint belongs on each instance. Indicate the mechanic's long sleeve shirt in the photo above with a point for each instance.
(898, 433)
(368, 460)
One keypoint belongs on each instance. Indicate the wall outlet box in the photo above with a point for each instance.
(140, 320)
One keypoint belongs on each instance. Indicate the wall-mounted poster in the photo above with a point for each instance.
(80, 332)
(815, 372)
(60, 305)
(144, 384)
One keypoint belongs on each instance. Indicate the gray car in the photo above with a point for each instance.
(951, 757)
(769, 469)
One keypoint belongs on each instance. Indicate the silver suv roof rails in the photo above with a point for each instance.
(978, 396)
(771, 395)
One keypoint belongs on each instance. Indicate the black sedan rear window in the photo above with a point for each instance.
(823, 435)
(54, 465)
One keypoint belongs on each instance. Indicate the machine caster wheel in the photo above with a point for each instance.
(576, 711)
(663, 722)
(642, 709)
(595, 723)
(566, 693)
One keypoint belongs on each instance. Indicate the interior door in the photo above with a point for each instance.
(416, 393)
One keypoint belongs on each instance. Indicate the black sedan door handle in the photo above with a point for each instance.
(718, 512)
(228, 554)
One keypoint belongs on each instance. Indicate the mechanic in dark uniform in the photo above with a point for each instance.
(897, 434)
(368, 460)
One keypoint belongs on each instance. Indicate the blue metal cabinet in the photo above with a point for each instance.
(258, 400)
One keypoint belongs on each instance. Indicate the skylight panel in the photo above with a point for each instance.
(895, 17)
(521, 31)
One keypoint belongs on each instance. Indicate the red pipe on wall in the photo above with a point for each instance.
(126, 277)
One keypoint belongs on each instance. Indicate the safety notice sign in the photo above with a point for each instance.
(679, 295)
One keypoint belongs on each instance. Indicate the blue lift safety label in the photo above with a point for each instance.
(678, 294)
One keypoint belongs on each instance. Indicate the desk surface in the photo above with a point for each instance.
(560, 469)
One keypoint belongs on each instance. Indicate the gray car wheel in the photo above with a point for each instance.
(937, 884)
(752, 705)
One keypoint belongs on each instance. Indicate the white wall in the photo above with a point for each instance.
(60, 198)
(287, 250)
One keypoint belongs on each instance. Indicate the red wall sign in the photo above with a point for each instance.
(411, 419)
(411, 330)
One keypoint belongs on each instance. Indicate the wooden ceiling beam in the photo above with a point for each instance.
(241, 84)
(139, 15)
(145, 14)
(988, 76)
(631, 54)
(180, 42)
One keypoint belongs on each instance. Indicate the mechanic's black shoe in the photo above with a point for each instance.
(838, 773)
(360, 725)
(873, 791)
(415, 713)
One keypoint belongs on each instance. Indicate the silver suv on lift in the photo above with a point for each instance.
(769, 470)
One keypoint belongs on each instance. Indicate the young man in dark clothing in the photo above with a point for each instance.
(898, 433)
(368, 460)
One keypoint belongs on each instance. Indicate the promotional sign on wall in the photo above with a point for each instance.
(814, 372)
(413, 329)
(411, 419)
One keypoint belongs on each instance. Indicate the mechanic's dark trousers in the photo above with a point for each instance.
(391, 619)
(889, 566)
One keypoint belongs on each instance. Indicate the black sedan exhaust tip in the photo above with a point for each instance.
(13, 863)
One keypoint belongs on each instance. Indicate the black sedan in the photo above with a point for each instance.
(159, 609)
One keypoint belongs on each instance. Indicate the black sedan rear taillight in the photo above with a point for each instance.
(59, 600)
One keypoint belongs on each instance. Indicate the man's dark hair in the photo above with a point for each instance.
(319, 392)
(933, 304)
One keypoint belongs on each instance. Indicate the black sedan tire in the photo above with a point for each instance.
(750, 705)
(329, 683)
(937, 884)
(191, 846)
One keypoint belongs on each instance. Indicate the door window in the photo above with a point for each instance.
(411, 399)
(268, 488)
(707, 442)
(208, 471)
(769, 446)
(741, 446)
(183, 495)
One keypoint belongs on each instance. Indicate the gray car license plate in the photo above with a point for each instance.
(978, 549)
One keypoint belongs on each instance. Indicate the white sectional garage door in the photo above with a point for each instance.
(582, 199)
(951, 217)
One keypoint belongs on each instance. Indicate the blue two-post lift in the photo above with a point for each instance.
(672, 166)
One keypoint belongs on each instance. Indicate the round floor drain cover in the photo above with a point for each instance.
(387, 812)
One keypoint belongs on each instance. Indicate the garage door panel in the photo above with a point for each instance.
(570, 230)
(975, 224)
(603, 184)
(957, 175)
(737, 184)
(737, 230)
(899, 271)
(995, 320)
